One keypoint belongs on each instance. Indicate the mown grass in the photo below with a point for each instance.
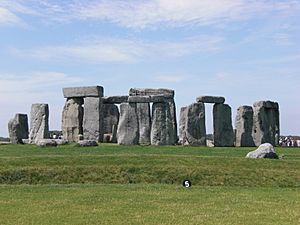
(110, 164)
(148, 204)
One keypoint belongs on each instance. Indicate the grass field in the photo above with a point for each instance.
(142, 185)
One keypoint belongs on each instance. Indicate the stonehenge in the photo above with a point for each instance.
(147, 116)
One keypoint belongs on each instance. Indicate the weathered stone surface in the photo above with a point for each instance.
(164, 126)
(265, 123)
(18, 128)
(110, 117)
(223, 131)
(128, 128)
(267, 104)
(243, 125)
(115, 99)
(144, 119)
(139, 99)
(72, 117)
(160, 98)
(93, 119)
(211, 99)
(114, 135)
(192, 130)
(265, 150)
(150, 91)
(87, 143)
(46, 143)
(81, 92)
(39, 122)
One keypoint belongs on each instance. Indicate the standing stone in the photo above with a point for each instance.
(192, 130)
(93, 119)
(163, 124)
(223, 131)
(128, 128)
(18, 128)
(72, 118)
(110, 117)
(243, 125)
(266, 123)
(39, 122)
(143, 112)
(114, 135)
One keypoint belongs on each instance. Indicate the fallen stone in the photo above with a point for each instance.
(72, 117)
(192, 130)
(139, 99)
(243, 125)
(144, 119)
(87, 143)
(115, 99)
(128, 128)
(265, 150)
(46, 143)
(18, 129)
(82, 92)
(150, 91)
(39, 122)
(211, 99)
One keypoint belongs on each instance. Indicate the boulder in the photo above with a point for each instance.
(82, 92)
(87, 143)
(18, 128)
(192, 130)
(265, 150)
(243, 125)
(211, 99)
(39, 122)
(46, 143)
(128, 128)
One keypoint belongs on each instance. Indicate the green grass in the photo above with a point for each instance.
(112, 184)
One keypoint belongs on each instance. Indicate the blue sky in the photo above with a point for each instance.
(243, 50)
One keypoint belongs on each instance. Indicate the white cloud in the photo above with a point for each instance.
(121, 50)
(171, 78)
(8, 18)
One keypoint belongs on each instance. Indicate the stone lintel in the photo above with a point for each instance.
(211, 99)
(151, 91)
(267, 104)
(115, 99)
(139, 99)
(81, 92)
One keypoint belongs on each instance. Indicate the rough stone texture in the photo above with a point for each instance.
(192, 130)
(128, 128)
(211, 99)
(18, 128)
(93, 119)
(144, 118)
(164, 126)
(39, 122)
(87, 143)
(115, 99)
(151, 91)
(223, 131)
(72, 117)
(114, 136)
(81, 92)
(159, 98)
(265, 150)
(110, 117)
(46, 143)
(243, 125)
(139, 99)
(266, 123)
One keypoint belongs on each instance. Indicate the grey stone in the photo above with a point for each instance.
(87, 143)
(114, 137)
(243, 125)
(60, 141)
(266, 123)
(139, 99)
(110, 117)
(144, 118)
(46, 143)
(164, 127)
(159, 99)
(39, 122)
(265, 150)
(211, 99)
(267, 104)
(93, 119)
(192, 130)
(115, 99)
(82, 92)
(128, 128)
(72, 117)
(18, 128)
(150, 91)
(223, 130)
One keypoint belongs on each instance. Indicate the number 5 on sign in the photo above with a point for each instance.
(187, 183)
